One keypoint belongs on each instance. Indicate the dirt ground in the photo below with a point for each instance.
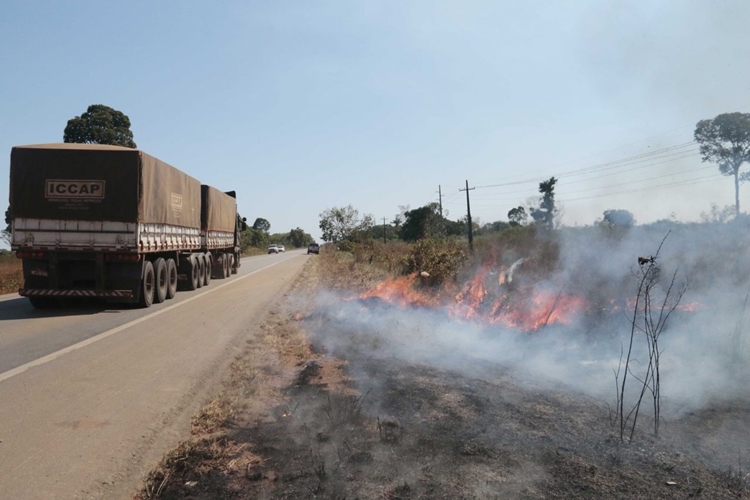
(295, 421)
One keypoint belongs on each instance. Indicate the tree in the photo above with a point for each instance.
(421, 222)
(718, 215)
(253, 238)
(725, 140)
(100, 125)
(262, 225)
(546, 212)
(618, 218)
(495, 227)
(341, 223)
(517, 216)
(5, 234)
(299, 238)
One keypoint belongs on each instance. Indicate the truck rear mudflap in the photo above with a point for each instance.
(36, 292)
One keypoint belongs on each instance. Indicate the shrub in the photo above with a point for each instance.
(440, 258)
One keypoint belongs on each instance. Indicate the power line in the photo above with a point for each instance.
(653, 155)
(661, 134)
(642, 180)
(494, 196)
(684, 182)
(687, 182)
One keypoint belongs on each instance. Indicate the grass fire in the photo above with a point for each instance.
(543, 365)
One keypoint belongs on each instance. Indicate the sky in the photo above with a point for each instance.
(301, 106)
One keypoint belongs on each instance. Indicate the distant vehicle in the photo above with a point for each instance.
(274, 248)
(313, 248)
(281, 248)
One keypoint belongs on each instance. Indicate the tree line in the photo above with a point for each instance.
(259, 236)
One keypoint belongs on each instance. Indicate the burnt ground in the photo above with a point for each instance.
(381, 428)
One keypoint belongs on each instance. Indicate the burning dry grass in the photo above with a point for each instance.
(371, 424)
(300, 423)
(11, 274)
(440, 274)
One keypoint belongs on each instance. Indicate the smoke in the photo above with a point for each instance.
(704, 342)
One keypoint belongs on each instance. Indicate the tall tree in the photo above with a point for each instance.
(8, 219)
(547, 210)
(421, 222)
(725, 140)
(517, 216)
(299, 238)
(262, 224)
(5, 234)
(618, 218)
(340, 223)
(100, 125)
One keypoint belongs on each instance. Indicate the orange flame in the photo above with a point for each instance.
(483, 298)
(400, 291)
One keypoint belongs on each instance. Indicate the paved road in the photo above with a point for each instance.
(93, 397)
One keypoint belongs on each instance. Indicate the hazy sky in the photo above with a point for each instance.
(304, 105)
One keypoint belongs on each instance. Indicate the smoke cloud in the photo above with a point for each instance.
(704, 344)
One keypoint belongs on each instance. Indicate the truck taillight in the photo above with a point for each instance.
(29, 255)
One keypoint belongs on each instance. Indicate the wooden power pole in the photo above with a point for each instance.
(440, 198)
(468, 216)
(384, 240)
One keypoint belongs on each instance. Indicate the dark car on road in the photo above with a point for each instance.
(314, 248)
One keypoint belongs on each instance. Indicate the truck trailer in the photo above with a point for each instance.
(117, 224)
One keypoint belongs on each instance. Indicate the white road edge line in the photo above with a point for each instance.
(50, 357)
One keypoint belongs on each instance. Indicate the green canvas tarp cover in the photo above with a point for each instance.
(100, 183)
(219, 210)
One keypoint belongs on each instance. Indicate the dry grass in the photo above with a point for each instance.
(250, 251)
(11, 274)
(355, 271)
(255, 384)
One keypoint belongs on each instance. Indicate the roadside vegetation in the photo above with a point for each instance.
(11, 273)
(257, 237)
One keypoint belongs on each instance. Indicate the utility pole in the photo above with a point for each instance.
(440, 197)
(384, 240)
(468, 216)
(441, 226)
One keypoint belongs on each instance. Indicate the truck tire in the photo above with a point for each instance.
(232, 267)
(225, 265)
(201, 269)
(216, 272)
(209, 268)
(148, 285)
(172, 275)
(192, 283)
(162, 280)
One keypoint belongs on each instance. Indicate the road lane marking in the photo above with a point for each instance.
(50, 357)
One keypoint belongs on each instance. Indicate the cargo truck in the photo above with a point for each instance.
(117, 224)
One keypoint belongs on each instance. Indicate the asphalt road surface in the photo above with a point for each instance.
(92, 397)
